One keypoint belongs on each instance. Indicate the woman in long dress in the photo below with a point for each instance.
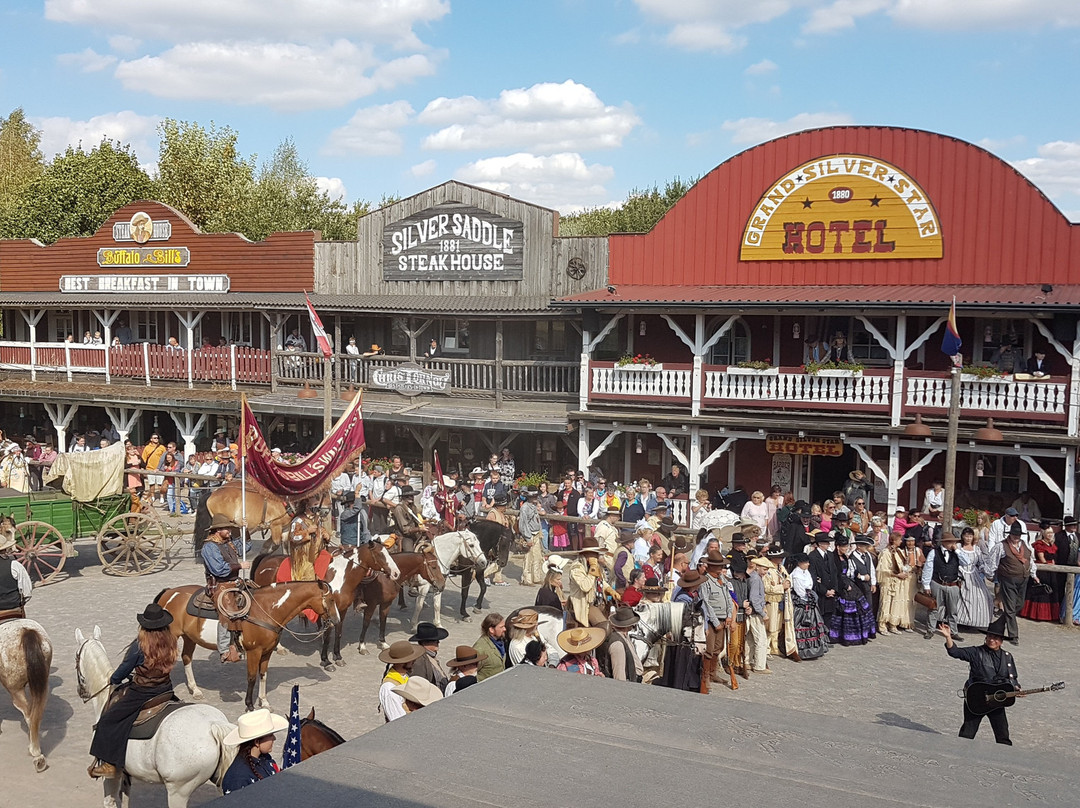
(913, 560)
(893, 573)
(811, 636)
(1042, 602)
(976, 601)
(853, 621)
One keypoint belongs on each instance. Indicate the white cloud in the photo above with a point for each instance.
(1056, 170)
(285, 76)
(701, 25)
(841, 14)
(121, 43)
(87, 61)
(371, 131)
(761, 68)
(140, 131)
(191, 20)
(980, 14)
(1000, 144)
(546, 117)
(423, 169)
(758, 130)
(560, 181)
(333, 186)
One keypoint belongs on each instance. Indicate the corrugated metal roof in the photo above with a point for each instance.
(292, 301)
(847, 295)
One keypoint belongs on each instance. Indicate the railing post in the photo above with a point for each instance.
(146, 361)
(899, 351)
(583, 372)
(232, 364)
(67, 359)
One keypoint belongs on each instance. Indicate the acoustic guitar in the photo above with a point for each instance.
(983, 698)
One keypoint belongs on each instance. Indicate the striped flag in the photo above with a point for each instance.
(317, 328)
(951, 343)
(290, 755)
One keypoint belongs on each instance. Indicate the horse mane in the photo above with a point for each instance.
(330, 733)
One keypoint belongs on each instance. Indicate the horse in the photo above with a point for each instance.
(316, 737)
(347, 571)
(25, 660)
(186, 751)
(272, 607)
(264, 513)
(495, 541)
(381, 591)
(551, 622)
(659, 621)
(451, 549)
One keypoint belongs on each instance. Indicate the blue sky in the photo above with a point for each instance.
(565, 103)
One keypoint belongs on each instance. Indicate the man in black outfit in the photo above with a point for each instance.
(826, 577)
(988, 665)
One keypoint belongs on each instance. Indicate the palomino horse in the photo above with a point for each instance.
(347, 571)
(263, 512)
(316, 737)
(380, 591)
(271, 608)
(185, 752)
(454, 551)
(25, 659)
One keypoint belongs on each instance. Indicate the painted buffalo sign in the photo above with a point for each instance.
(411, 380)
(453, 241)
(845, 206)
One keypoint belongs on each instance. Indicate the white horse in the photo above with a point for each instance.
(25, 660)
(187, 749)
(660, 623)
(449, 549)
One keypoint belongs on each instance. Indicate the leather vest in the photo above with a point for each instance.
(10, 597)
(628, 656)
(142, 676)
(946, 572)
(1014, 563)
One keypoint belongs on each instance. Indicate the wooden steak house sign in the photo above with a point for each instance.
(453, 241)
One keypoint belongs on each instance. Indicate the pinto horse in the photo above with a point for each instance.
(345, 575)
(381, 591)
(272, 607)
(25, 659)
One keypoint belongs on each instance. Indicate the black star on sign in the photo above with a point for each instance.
(799, 178)
(891, 178)
(807, 203)
(874, 201)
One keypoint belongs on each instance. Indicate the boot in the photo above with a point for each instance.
(98, 769)
(232, 655)
(706, 672)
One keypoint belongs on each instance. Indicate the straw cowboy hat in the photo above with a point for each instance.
(7, 541)
(219, 521)
(763, 563)
(727, 531)
(256, 724)
(526, 619)
(400, 653)
(419, 691)
(464, 656)
(581, 640)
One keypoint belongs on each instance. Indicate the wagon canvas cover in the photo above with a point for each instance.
(90, 475)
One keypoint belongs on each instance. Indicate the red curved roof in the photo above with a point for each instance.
(997, 228)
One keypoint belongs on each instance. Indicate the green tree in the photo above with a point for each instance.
(201, 174)
(20, 158)
(638, 214)
(77, 192)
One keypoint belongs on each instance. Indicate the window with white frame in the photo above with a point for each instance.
(63, 323)
(145, 326)
(733, 347)
(864, 345)
(1003, 474)
(238, 327)
(990, 333)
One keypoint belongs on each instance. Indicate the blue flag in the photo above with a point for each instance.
(290, 755)
(950, 343)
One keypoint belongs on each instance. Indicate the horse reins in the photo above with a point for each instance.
(80, 681)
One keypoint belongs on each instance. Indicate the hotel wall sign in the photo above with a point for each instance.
(139, 282)
(846, 207)
(453, 241)
(410, 379)
(794, 445)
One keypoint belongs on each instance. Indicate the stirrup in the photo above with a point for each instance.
(98, 769)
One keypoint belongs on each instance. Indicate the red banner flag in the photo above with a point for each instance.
(443, 495)
(317, 327)
(316, 471)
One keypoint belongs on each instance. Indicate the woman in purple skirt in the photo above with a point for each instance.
(853, 621)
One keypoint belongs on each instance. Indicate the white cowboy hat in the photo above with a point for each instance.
(449, 482)
(419, 690)
(254, 725)
(6, 541)
(556, 562)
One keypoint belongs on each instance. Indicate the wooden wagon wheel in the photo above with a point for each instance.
(131, 544)
(40, 549)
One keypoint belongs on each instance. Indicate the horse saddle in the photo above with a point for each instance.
(204, 605)
(152, 714)
(12, 614)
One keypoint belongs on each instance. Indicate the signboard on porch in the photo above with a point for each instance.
(781, 471)
(842, 207)
(794, 445)
(139, 282)
(410, 379)
(453, 242)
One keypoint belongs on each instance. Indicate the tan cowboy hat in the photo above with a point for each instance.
(401, 652)
(7, 541)
(526, 618)
(254, 725)
(592, 547)
(762, 562)
(581, 640)
(219, 521)
(464, 656)
(419, 690)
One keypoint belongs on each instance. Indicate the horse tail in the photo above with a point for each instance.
(37, 670)
(157, 597)
(226, 753)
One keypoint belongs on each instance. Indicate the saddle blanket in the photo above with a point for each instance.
(322, 564)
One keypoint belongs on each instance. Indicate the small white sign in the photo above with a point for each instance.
(152, 284)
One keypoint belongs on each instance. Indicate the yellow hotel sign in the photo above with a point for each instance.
(845, 206)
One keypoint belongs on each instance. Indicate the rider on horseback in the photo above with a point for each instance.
(15, 584)
(406, 522)
(221, 555)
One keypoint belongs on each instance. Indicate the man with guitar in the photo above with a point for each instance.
(991, 670)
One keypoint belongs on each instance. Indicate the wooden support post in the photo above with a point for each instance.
(32, 318)
(328, 397)
(499, 380)
(190, 319)
(106, 320)
(188, 424)
(61, 416)
(123, 419)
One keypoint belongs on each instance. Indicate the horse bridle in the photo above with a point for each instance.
(80, 680)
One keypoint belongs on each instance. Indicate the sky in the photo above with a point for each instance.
(568, 104)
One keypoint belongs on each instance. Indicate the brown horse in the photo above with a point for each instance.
(382, 591)
(271, 608)
(263, 512)
(347, 571)
(316, 737)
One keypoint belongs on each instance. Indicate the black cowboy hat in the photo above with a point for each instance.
(738, 538)
(624, 617)
(996, 628)
(407, 491)
(501, 500)
(428, 632)
(154, 618)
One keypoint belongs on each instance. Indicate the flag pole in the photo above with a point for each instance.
(951, 439)
(242, 445)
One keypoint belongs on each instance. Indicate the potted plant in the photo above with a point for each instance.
(981, 373)
(753, 367)
(637, 362)
(849, 369)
